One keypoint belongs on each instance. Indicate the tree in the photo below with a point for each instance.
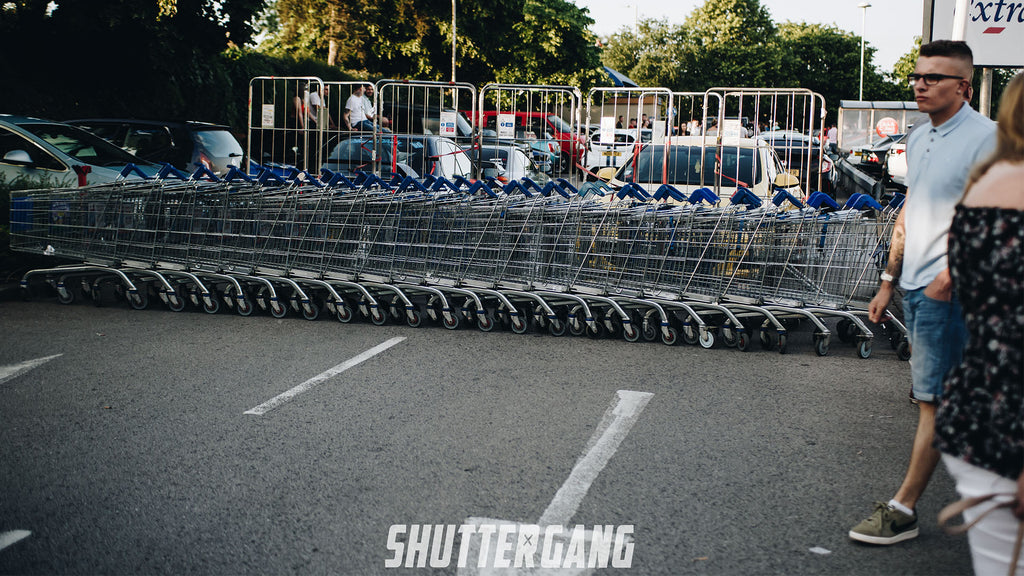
(731, 43)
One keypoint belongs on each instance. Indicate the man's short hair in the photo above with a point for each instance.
(949, 48)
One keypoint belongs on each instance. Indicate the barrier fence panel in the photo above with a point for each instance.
(285, 123)
(619, 120)
(543, 121)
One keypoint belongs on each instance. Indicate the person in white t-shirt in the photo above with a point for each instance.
(355, 114)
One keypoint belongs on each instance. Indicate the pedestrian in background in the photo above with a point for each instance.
(939, 158)
(979, 425)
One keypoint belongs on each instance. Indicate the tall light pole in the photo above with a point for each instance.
(453, 40)
(863, 22)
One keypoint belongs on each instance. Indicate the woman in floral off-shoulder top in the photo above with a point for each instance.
(979, 425)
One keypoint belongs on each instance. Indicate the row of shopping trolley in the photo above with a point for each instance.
(641, 264)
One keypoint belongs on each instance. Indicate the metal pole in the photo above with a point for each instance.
(453, 40)
(863, 23)
(985, 93)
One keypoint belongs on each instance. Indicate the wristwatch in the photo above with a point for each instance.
(886, 277)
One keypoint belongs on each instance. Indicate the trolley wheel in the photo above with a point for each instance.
(413, 318)
(26, 293)
(783, 343)
(630, 332)
(451, 321)
(843, 329)
(519, 325)
(612, 323)
(139, 299)
(743, 341)
(670, 336)
(559, 325)
(65, 295)
(730, 336)
(213, 306)
(343, 312)
(821, 346)
(176, 300)
(577, 324)
(864, 349)
(396, 307)
(486, 321)
(378, 316)
(689, 333)
(311, 311)
(707, 339)
(244, 306)
(903, 350)
(649, 329)
(766, 339)
(278, 310)
(596, 331)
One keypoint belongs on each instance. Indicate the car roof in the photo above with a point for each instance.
(15, 119)
(193, 124)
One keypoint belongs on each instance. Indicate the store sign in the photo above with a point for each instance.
(995, 30)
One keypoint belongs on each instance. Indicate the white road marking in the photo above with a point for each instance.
(8, 538)
(618, 420)
(8, 372)
(318, 379)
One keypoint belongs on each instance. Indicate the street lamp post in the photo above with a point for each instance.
(863, 22)
(453, 41)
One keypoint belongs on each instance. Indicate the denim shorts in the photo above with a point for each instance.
(937, 338)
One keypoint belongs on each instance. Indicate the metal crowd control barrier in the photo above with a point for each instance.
(286, 120)
(519, 255)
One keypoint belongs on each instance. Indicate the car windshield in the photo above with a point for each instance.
(81, 145)
(686, 165)
(359, 151)
(559, 124)
(218, 142)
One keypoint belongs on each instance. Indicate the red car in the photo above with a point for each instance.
(573, 145)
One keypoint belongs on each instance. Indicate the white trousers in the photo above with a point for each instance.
(992, 539)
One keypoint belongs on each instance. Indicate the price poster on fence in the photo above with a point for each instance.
(506, 125)
(267, 116)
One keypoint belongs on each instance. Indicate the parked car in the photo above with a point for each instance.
(508, 162)
(543, 150)
(794, 149)
(44, 153)
(895, 164)
(417, 156)
(184, 145)
(601, 154)
(572, 146)
(691, 162)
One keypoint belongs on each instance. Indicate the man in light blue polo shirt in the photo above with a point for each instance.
(940, 155)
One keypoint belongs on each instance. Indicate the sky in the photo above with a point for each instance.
(889, 25)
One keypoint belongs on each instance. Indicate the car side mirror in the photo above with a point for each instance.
(786, 180)
(607, 173)
(18, 157)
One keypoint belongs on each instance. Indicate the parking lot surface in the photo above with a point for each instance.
(132, 446)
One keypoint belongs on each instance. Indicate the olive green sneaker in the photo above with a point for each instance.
(885, 526)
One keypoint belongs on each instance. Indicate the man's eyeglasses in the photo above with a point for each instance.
(931, 79)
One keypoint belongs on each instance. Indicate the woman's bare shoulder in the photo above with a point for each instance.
(1001, 187)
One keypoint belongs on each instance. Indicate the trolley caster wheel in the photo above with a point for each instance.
(577, 323)
(311, 310)
(743, 341)
(413, 318)
(730, 337)
(766, 339)
(176, 300)
(138, 299)
(864, 349)
(689, 334)
(485, 321)
(278, 310)
(630, 333)
(559, 325)
(821, 346)
(244, 306)
(519, 326)
(596, 331)
(211, 304)
(612, 323)
(451, 321)
(64, 295)
(26, 293)
(783, 343)
(649, 329)
(343, 312)
(843, 330)
(707, 339)
(903, 350)
(670, 336)
(378, 316)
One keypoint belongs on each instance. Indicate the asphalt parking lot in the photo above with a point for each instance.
(133, 446)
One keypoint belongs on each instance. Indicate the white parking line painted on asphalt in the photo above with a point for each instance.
(319, 378)
(483, 552)
(8, 538)
(8, 372)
